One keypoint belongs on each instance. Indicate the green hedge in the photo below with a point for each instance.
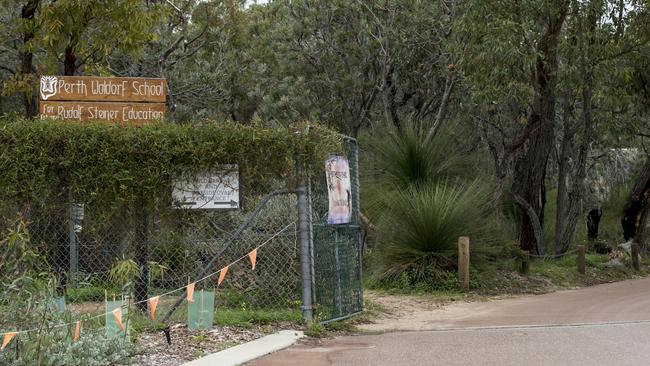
(44, 160)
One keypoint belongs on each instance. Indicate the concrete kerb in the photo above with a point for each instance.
(249, 351)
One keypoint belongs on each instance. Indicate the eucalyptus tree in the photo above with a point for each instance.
(350, 64)
(68, 37)
(535, 70)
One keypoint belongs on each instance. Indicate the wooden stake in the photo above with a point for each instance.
(581, 259)
(463, 262)
(635, 256)
(525, 262)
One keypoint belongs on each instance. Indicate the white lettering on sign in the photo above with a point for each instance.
(69, 113)
(130, 113)
(147, 89)
(91, 88)
(107, 88)
(78, 87)
(102, 111)
(216, 190)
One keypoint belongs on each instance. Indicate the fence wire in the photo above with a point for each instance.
(94, 250)
(102, 248)
(337, 250)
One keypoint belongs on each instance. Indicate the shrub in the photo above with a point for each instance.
(93, 348)
(419, 231)
(422, 195)
(405, 158)
(26, 302)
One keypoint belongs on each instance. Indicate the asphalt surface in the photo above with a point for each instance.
(601, 325)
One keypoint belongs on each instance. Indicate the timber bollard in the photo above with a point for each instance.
(581, 259)
(635, 256)
(463, 262)
(525, 262)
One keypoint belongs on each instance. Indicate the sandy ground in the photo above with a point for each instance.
(405, 312)
(619, 301)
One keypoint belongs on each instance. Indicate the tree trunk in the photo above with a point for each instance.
(530, 167)
(563, 162)
(443, 107)
(70, 61)
(578, 187)
(635, 212)
(593, 221)
(28, 12)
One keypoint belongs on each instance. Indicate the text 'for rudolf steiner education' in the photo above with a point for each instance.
(119, 100)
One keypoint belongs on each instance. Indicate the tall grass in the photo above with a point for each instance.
(422, 195)
(419, 232)
(405, 158)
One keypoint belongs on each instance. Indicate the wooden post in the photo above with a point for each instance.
(635, 256)
(463, 262)
(525, 262)
(581, 259)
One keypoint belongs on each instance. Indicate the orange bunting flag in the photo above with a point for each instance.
(7, 338)
(253, 257)
(153, 302)
(190, 292)
(222, 275)
(77, 329)
(117, 314)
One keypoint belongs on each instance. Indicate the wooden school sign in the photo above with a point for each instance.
(121, 100)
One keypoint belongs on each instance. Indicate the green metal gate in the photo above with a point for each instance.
(336, 249)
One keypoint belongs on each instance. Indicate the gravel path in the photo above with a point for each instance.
(188, 345)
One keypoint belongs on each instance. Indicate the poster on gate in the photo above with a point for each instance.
(339, 190)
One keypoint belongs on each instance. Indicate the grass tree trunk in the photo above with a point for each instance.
(635, 212)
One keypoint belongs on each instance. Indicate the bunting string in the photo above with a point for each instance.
(152, 301)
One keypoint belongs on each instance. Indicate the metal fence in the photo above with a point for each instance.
(92, 249)
(337, 250)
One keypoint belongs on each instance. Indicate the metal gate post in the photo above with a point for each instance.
(73, 217)
(303, 238)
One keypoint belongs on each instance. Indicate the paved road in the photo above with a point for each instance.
(601, 325)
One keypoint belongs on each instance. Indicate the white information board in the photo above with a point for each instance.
(218, 189)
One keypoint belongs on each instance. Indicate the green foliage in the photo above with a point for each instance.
(83, 293)
(422, 195)
(418, 234)
(404, 158)
(316, 330)
(19, 262)
(246, 318)
(25, 284)
(610, 229)
(105, 165)
(124, 271)
(26, 304)
(93, 348)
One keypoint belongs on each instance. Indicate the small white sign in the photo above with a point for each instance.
(216, 190)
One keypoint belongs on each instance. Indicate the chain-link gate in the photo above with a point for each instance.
(96, 250)
(337, 249)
